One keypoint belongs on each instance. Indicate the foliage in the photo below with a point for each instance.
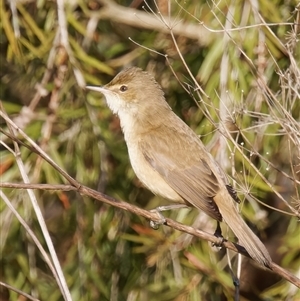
(247, 62)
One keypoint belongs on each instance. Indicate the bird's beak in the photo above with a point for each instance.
(96, 89)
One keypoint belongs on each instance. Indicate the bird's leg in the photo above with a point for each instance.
(218, 234)
(155, 224)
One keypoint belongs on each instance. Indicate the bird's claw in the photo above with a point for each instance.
(218, 234)
(219, 244)
(155, 224)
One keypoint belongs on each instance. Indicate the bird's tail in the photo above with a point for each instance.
(247, 238)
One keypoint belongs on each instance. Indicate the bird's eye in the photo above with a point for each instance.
(123, 88)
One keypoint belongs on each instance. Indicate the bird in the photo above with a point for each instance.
(170, 159)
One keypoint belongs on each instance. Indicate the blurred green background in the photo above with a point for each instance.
(251, 77)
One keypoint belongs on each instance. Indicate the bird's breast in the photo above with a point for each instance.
(148, 176)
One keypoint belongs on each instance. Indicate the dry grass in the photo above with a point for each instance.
(230, 70)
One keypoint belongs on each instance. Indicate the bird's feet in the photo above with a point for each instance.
(218, 234)
(162, 220)
(155, 224)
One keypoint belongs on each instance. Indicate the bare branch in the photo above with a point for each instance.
(133, 17)
(86, 191)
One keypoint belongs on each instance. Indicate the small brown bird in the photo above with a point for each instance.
(169, 158)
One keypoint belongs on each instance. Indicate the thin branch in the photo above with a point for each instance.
(153, 216)
(136, 18)
(59, 276)
(18, 291)
(29, 231)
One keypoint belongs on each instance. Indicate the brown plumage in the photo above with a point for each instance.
(169, 158)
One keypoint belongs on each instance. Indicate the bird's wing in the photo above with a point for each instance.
(191, 178)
